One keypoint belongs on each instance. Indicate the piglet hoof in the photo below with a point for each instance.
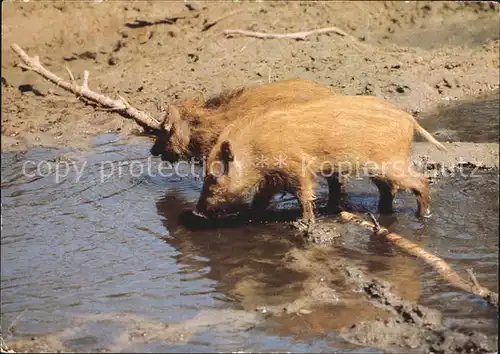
(426, 214)
(302, 225)
(199, 215)
(333, 209)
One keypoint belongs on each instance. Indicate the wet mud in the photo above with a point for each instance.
(414, 327)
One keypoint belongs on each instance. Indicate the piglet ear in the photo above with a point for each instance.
(171, 116)
(225, 152)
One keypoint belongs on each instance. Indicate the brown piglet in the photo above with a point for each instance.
(289, 147)
(195, 124)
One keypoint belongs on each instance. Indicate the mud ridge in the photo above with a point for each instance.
(413, 327)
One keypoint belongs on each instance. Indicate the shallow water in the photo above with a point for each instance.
(99, 260)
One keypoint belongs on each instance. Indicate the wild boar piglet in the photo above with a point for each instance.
(194, 124)
(288, 148)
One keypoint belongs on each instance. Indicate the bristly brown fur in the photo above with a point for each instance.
(348, 132)
(194, 130)
(223, 98)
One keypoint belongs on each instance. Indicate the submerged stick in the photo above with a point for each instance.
(121, 106)
(14, 322)
(440, 265)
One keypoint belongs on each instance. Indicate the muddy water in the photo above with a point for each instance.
(99, 255)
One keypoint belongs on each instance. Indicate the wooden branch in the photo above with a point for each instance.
(440, 265)
(473, 278)
(15, 321)
(376, 227)
(120, 106)
(295, 35)
(72, 78)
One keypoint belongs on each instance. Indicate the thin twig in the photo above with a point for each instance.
(440, 265)
(295, 35)
(71, 77)
(245, 45)
(473, 278)
(14, 322)
(209, 25)
(376, 228)
(119, 106)
(147, 37)
(85, 84)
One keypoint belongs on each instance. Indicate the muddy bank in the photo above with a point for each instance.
(459, 156)
(399, 326)
(417, 55)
